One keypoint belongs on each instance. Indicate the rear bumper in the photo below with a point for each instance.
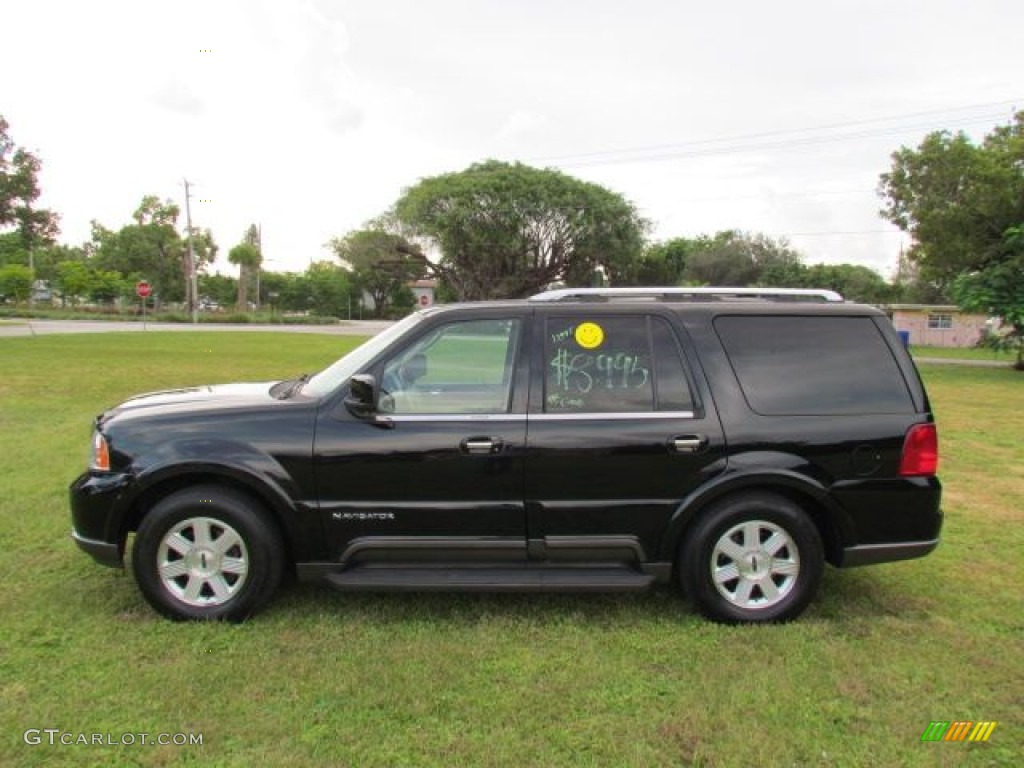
(103, 552)
(869, 554)
(889, 519)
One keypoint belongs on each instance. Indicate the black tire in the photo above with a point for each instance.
(228, 575)
(752, 558)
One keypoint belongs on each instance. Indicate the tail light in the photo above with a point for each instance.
(920, 451)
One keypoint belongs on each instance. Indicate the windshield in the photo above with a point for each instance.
(335, 375)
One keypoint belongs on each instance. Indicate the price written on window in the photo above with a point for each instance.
(582, 372)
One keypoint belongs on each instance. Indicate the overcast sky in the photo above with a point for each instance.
(310, 117)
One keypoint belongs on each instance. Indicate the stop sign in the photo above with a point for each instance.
(143, 289)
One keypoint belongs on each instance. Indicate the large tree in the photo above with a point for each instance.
(736, 258)
(15, 282)
(152, 248)
(48, 258)
(854, 281)
(330, 290)
(287, 291)
(19, 190)
(957, 199)
(508, 230)
(217, 290)
(74, 280)
(998, 289)
(963, 203)
(382, 263)
(661, 264)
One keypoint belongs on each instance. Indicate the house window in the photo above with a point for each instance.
(940, 322)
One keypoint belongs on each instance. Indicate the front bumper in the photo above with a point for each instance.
(96, 516)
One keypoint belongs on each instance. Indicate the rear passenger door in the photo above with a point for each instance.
(620, 430)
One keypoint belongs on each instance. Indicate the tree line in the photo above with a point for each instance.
(507, 230)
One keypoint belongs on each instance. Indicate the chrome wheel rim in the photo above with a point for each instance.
(755, 565)
(202, 561)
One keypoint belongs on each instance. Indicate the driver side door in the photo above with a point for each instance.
(438, 474)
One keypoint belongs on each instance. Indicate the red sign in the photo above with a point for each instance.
(424, 300)
(143, 289)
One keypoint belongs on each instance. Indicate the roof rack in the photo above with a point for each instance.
(688, 294)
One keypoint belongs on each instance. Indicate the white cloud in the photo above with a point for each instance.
(177, 96)
(310, 116)
(521, 125)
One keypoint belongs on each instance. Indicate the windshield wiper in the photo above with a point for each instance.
(289, 387)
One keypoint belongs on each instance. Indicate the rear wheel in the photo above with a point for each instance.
(207, 553)
(755, 557)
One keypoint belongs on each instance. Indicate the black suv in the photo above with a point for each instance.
(733, 440)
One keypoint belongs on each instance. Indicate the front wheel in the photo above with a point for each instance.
(755, 557)
(207, 552)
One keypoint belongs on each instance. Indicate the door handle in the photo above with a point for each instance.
(481, 446)
(688, 443)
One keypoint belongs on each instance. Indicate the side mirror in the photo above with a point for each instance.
(362, 395)
(362, 399)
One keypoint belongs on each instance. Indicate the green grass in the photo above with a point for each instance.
(466, 360)
(444, 680)
(962, 353)
(42, 312)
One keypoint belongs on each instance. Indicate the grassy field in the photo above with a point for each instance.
(963, 353)
(445, 680)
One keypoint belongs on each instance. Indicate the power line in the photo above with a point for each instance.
(769, 195)
(796, 137)
(829, 126)
(740, 148)
(843, 233)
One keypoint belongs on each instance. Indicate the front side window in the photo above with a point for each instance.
(461, 367)
(342, 370)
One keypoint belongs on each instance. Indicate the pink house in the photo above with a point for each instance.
(938, 325)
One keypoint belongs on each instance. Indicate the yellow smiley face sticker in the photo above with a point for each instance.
(589, 335)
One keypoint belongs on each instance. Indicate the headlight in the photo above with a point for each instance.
(100, 453)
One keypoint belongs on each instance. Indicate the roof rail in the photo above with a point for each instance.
(688, 294)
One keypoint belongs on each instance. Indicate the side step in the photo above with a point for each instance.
(528, 579)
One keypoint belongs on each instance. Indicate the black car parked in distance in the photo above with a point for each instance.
(731, 440)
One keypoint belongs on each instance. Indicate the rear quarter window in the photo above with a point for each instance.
(810, 365)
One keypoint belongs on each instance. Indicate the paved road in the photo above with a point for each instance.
(42, 327)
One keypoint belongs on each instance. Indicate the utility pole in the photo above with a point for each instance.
(192, 282)
(32, 278)
(259, 264)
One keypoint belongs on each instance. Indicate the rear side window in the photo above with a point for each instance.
(598, 365)
(813, 365)
(623, 364)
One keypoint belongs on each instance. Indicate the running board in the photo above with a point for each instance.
(537, 579)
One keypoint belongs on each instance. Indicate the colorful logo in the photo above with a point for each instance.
(958, 730)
